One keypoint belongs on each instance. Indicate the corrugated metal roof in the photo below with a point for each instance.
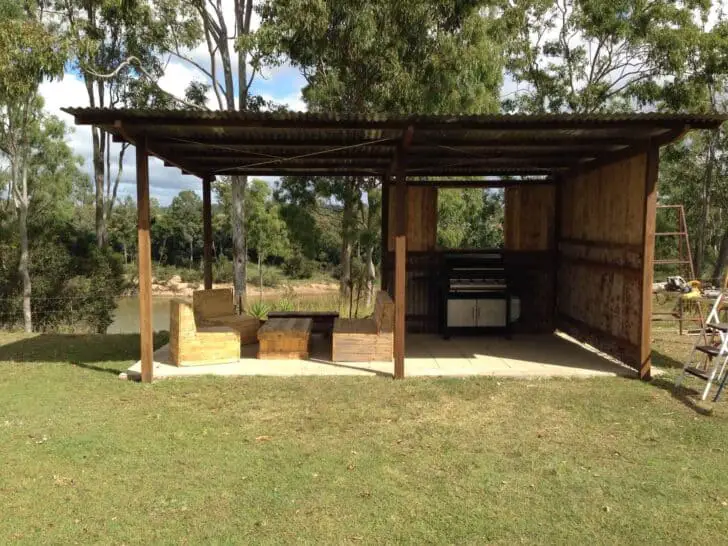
(278, 143)
(178, 114)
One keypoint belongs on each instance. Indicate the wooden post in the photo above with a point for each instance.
(207, 230)
(558, 196)
(400, 251)
(400, 275)
(648, 257)
(400, 303)
(384, 270)
(401, 208)
(145, 260)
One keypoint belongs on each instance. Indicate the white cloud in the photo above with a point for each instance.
(293, 101)
(281, 84)
(70, 91)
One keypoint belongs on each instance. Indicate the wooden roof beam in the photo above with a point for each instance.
(338, 155)
(307, 171)
(398, 161)
(502, 183)
(132, 138)
(326, 142)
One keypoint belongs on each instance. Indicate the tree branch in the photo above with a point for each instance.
(134, 61)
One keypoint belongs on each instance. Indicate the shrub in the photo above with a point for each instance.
(162, 273)
(285, 304)
(299, 267)
(75, 285)
(192, 276)
(258, 309)
(222, 270)
(272, 278)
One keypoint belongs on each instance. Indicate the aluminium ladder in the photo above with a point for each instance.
(709, 357)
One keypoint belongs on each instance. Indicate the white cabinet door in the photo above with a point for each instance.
(491, 312)
(461, 313)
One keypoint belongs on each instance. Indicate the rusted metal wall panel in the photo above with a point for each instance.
(601, 257)
(529, 218)
(421, 220)
(529, 233)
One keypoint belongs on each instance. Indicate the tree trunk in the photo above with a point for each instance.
(24, 264)
(99, 179)
(372, 206)
(347, 232)
(346, 250)
(260, 275)
(721, 262)
(705, 209)
(371, 274)
(239, 187)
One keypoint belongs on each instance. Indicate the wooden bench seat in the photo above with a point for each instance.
(368, 339)
(356, 326)
(191, 345)
(216, 307)
(284, 339)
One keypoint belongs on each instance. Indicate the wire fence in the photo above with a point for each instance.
(57, 314)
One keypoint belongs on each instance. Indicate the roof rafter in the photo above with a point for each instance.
(312, 144)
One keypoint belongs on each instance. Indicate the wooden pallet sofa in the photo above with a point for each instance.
(368, 339)
(216, 307)
(193, 345)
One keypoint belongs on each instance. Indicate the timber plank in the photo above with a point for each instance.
(145, 260)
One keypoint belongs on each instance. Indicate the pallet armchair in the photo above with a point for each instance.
(216, 307)
(193, 345)
(368, 339)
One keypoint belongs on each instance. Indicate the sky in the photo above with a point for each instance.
(281, 84)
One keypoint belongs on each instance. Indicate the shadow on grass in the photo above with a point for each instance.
(661, 360)
(686, 396)
(89, 351)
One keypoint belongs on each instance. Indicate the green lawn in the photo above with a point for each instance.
(85, 457)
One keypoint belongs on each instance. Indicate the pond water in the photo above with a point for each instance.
(126, 316)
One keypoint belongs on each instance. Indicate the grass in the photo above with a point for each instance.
(290, 301)
(88, 458)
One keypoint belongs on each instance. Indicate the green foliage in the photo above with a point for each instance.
(29, 52)
(258, 309)
(222, 270)
(284, 304)
(271, 277)
(75, 284)
(420, 55)
(686, 178)
(297, 266)
(193, 276)
(470, 218)
(591, 55)
(266, 231)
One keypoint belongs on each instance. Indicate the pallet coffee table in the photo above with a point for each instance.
(323, 321)
(284, 339)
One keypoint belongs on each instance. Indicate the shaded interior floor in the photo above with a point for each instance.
(426, 355)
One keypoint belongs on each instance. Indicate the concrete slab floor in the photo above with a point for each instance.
(554, 355)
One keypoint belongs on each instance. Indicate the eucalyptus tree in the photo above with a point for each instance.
(266, 230)
(589, 56)
(29, 53)
(118, 51)
(396, 57)
(228, 70)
